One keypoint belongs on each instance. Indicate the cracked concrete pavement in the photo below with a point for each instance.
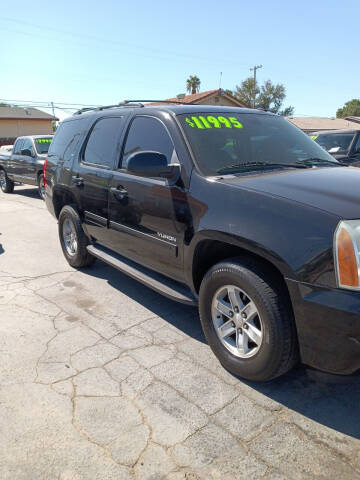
(101, 378)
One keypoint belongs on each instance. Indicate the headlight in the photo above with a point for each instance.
(347, 253)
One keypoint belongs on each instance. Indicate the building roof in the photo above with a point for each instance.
(353, 119)
(319, 123)
(199, 97)
(19, 113)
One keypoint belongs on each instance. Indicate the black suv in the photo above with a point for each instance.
(235, 210)
(344, 145)
(25, 164)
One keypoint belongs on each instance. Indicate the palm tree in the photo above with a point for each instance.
(193, 84)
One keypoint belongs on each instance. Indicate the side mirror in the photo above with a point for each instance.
(27, 152)
(151, 164)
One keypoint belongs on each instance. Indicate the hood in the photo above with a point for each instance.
(334, 189)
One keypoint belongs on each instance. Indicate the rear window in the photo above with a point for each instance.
(66, 138)
(42, 144)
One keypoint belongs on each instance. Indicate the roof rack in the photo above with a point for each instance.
(159, 101)
(125, 103)
(128, 103)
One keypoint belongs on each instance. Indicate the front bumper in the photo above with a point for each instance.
(328, 326)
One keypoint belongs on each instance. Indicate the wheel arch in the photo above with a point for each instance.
(213, 247)
(62, 196)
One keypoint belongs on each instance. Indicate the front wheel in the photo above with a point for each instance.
(6, 185)
(247, 320)
(41, 187)
(73, 239)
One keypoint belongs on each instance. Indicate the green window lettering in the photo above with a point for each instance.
(210, 121)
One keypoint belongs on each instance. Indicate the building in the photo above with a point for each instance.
(212, 97)
(16, 121)
(316, 124)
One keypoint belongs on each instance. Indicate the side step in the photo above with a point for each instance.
(161, 284)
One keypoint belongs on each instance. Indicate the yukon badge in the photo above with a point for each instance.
(164, 236)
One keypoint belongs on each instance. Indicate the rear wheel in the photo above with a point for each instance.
(247, 320)
(6, 185)
(73, 239)
(41, 187)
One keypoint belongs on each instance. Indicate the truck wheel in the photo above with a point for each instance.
(41, 187)
(6, 185)
(248, 320)
(73, 239)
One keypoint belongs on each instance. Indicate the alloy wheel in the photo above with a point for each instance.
(70, 237)
(237, 321)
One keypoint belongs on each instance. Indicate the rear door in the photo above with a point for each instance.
(92, 174)
(14, 159)
(144, 225)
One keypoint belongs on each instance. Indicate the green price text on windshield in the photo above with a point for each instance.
(43, 140)
(210, 121)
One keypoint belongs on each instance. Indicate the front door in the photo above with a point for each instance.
(145, 224)
(26, 164)
(92, 175)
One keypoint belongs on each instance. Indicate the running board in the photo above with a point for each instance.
(161, 284)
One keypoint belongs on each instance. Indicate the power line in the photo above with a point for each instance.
(47, 102)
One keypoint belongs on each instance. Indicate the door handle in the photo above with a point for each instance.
(119, 192)
(79, 181)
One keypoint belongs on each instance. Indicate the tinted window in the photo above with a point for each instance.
(66, 136)
(103, 145)
(17, 146)
(334, 142)
(27, 145)
(147, 133)
(357, 145)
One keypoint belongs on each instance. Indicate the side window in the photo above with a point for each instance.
(66, 138)
(17, 146)
(102, 145)
(357, 145)
(148, 133)
(28, 145)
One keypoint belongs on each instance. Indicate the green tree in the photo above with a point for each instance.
(247, 91)
(351, 108)
(193, 84)
(269, 96)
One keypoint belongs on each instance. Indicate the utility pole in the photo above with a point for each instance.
(54, 121)
(256, 67)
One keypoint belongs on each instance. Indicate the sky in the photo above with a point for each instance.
(92, 52)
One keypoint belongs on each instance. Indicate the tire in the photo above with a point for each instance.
(41, 188)
(261, 346)
(73, 239)
(6, 185)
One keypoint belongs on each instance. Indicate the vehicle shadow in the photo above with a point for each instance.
(335, 406)
(1, 248)
(183, 317)
(28, 192)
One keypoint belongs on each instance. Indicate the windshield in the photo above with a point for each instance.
(234, 142)
(334, 142)
(42, 145)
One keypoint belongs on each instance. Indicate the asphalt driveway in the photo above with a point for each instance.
(101, 378)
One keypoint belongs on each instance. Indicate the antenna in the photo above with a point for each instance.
(220, 80)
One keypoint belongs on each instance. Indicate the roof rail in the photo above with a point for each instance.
(160, 101)
(125, 103)
(128, 103)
